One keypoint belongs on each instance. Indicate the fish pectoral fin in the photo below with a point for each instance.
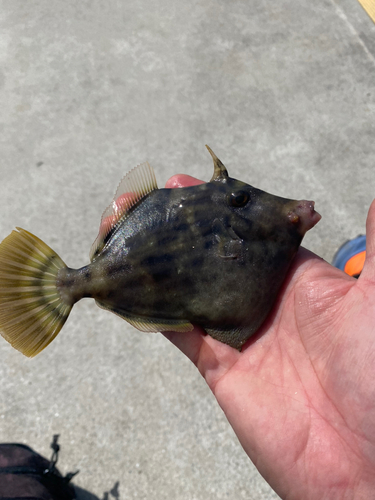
(136, 184)
(234, 338)
(150, 324)
(229, 245)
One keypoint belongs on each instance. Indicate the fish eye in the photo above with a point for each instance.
(239, 198)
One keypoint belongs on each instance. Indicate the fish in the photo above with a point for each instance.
(213, 255)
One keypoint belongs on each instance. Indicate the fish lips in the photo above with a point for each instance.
(304, 216)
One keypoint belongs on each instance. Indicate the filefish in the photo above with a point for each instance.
(213, 255)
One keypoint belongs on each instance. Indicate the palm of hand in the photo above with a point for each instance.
(301, 394)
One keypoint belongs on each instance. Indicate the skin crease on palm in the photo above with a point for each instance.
(301, 394)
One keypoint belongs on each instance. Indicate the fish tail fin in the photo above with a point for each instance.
(32, 311)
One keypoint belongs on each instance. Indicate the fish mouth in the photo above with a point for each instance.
(304, 215)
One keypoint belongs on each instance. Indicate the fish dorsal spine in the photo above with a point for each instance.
(220, 172)
(136, 184)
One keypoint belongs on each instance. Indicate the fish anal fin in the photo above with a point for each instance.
(136, 184)
(150, 324)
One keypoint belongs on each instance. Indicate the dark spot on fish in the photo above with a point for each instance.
(206, 232)
(167, 240)
(39, 163)
(68, 282)
(154, 260)
(226, 220)
(132, 284)
(197, 262)
(43, 266)
(159, 305)
(35, 280)
(124, 267)
(201, 220)
(186, 283)
(232, 233)
(158, 277)
(87, 273)
(265, 250)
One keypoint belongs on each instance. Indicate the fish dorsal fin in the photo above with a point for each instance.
(220, 172)
(136, 184)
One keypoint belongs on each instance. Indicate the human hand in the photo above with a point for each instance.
(301, 394)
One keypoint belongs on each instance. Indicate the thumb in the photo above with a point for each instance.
(182, 180)
(368, 271)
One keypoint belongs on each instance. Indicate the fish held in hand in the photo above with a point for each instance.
(213, 255)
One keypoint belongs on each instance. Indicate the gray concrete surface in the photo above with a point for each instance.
(284, 94)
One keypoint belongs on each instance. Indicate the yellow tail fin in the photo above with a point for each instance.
(31, 310)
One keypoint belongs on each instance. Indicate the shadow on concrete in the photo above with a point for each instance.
(112, 494)
(19, 461)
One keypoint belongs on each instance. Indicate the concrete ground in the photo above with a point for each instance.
(284, 94)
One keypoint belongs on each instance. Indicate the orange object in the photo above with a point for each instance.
(355, 264)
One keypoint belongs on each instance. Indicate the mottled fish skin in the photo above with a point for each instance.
(213, 255)
(189, 254)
